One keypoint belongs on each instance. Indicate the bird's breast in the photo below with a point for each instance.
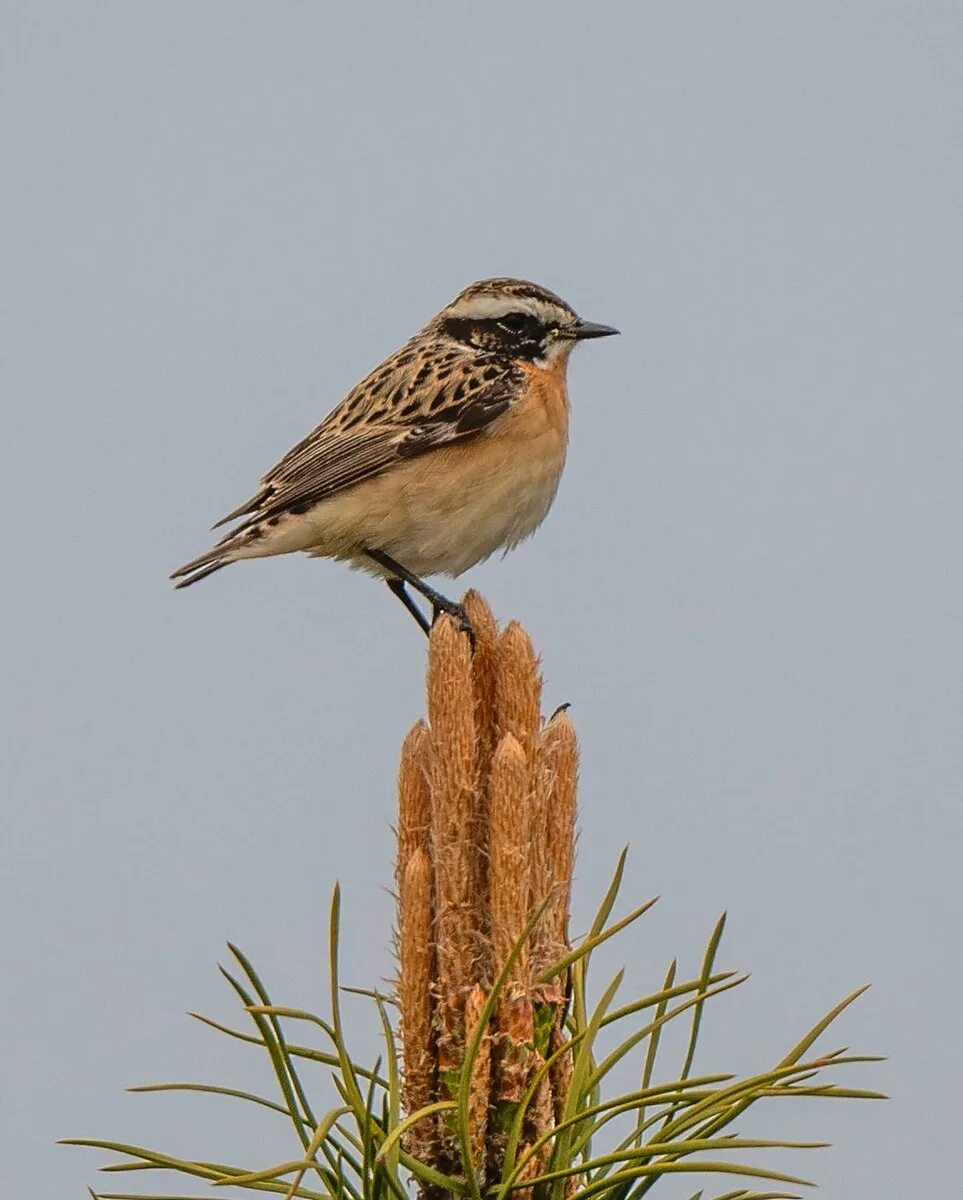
(467, 501)
(543, 407)
(447, 510)
(444, 511)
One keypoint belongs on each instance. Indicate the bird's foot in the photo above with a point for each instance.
(440, 604)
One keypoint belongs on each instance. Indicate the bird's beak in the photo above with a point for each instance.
(590, 329)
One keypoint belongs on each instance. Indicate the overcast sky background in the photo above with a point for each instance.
(218, 216)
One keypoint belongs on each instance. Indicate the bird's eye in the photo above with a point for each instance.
(514, 322)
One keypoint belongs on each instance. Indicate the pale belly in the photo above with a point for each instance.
(449, 529)
(443, 514)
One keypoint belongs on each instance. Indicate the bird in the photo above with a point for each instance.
(448, 451)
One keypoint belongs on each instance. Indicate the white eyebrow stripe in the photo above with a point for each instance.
(490, 308)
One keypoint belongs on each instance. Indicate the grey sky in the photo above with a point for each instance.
(218, 216)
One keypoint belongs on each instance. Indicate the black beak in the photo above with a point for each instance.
(589, 329)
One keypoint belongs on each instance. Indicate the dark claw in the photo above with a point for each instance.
(459, 616)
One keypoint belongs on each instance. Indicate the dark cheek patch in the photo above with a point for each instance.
(491, 337)
(531, 350)
(461, 330)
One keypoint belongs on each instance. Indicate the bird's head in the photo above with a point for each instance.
(514, 319)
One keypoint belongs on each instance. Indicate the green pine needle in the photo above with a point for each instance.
(355, 1151)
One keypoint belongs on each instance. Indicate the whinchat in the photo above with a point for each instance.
(450, 450)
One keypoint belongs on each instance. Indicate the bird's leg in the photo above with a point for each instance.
(397, 586)
(438, 602)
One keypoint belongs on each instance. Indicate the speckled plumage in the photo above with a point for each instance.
(449, 450)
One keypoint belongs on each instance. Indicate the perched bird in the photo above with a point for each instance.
(450, 450)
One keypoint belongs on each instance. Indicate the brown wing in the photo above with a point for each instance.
(410, 405)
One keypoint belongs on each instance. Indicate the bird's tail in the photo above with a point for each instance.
(199, 568)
